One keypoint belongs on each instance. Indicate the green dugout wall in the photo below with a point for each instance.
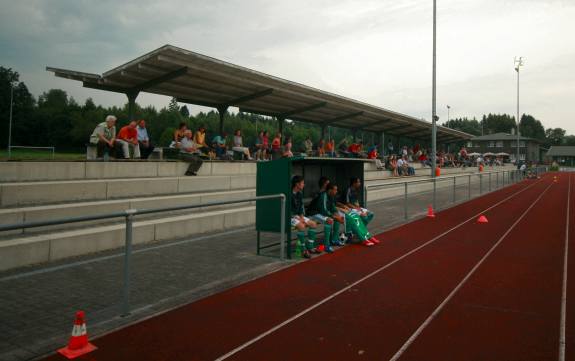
(274, 177)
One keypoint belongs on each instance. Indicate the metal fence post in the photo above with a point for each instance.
(469, 187)
(454, 189)
(480, 184)
(490, 182)
(497, 180)
(405, 201)
(127, 257)
(365, 196)
(283, 227)
(434, 193)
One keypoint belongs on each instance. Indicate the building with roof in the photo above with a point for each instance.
(529, 148)
(563, 155)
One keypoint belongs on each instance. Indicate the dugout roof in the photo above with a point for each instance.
(198, 79)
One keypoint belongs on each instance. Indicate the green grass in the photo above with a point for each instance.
(41, 154)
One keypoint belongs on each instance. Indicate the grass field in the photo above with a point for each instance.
(41, 154)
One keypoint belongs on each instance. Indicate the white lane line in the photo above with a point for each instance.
(463, 281)
(316, 305)
(562, 330)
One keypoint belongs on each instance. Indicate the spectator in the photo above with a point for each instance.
(219, 145)
(393, 165)
(178, 135)
(261, 151)
(276, 145)
(287, 153)
(321, 148)
(128, 138)
(343, 148)
(308, 146)
(266, 143)
(390, 147)
(299, 221)
(424, 160)
(330, 148)
(200, 140)
(404, 168)
(354, 150)
(404, 151)
(189, 152)
(239, 146)
(146, 146)
(104, 137)
(373, 154)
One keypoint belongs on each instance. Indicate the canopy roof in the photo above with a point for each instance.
(198, 79)
(561, 151)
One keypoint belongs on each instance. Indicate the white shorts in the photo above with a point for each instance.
(360, 211)
(296, 220)
(319, 217)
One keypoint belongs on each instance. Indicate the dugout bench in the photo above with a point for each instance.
(274, 177)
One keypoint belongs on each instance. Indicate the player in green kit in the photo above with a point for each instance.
(298, 219)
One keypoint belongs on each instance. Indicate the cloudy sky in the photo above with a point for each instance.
(375, 51)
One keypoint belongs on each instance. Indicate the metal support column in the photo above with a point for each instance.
(283, 227)
(382, 140)
(127, 259)
(405, 201)
(132, 105)
(323, 131)
(281, 126)
(222, 112)
(433, 95)
(434, 193)
(469, 187)
(454, 181)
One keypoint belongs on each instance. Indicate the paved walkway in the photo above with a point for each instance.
(37, 309)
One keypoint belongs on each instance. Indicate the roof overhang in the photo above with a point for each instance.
(198, 79)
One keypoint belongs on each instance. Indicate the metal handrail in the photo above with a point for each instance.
(129, 215)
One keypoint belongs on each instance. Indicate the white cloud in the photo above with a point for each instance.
(375, 51)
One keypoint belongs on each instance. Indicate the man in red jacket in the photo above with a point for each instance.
(128, 138)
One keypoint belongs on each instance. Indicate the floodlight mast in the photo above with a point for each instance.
(433, 96)
(518, 64)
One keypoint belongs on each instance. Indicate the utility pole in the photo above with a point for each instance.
(518, 63)
(433, 95)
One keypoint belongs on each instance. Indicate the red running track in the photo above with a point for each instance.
(362, 303)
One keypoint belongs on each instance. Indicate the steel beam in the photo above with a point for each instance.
(198, 102)
(302, 110)
(249, 97)
(161, 79)
(110, 88)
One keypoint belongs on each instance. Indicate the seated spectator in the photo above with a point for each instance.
(178, 135)
(261, 151)
(342, 148)
(424, 160)
(276, 145)
(146, 146)
(266, 143)
(128, 138)
(287, 153)
(189, 152)
(393, 165)
(330, 148)
(308, 146)
(104, 137)
(239, 146)
(200, 140)
(321, 148)
(373, 154)
(354, 150)
(219, 145)
(404, 168)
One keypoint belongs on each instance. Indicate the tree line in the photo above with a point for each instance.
(56, 119)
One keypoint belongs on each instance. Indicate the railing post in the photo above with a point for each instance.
(480, 184)
(127, 258)
(365, 196)
(283, 227)
(497, 180)
(454, 189)
(405, 201)
(434, 193)
(490, 182)
(469, 187)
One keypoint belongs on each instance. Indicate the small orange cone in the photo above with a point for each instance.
(555, 179)
(430, 213)
(482, 219)
(78, 344)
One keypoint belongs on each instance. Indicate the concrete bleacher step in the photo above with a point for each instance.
(42, 248)
(59, 211)
(60, 171)
(50, 192)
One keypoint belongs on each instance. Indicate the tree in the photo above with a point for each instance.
(184, 111)
(554, 136)
(22, 109)
(498, 123)
(173, 106)
(465, 125)
(531, 128)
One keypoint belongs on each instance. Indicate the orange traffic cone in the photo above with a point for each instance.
(430, 213)
(482, 219)
(78, 344)
(555, 179)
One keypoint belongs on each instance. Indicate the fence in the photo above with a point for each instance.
(129, 215)
(446, 188)
(52, 149)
